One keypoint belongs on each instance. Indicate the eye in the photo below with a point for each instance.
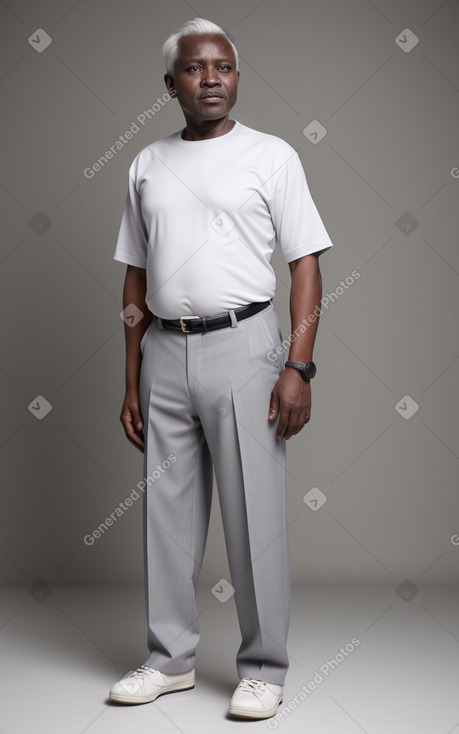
(193, 68)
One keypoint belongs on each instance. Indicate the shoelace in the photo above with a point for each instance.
(140, 672)
(252, 685)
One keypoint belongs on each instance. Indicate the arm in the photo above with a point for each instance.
(135, 288)
(291, 395)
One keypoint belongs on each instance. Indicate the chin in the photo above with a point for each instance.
(215, 114)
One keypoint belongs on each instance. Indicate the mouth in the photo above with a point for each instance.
(212, 96)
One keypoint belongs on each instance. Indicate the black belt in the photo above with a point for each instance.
(195, 324)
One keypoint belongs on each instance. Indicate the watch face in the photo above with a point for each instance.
(310, 370)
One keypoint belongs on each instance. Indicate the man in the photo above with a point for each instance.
(206, 384)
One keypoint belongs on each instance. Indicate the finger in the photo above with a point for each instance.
(135, 438)
(296, 423)
(293, 422)
(138, 443)
(136, 418)
(283, 424)
(293, 429)
(273, 407)
(133, 435)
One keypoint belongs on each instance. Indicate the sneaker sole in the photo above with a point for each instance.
(247, 714)
(119, 698)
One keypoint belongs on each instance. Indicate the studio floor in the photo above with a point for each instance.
(362, 659)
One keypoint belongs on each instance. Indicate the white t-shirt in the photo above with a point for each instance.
(203, 218)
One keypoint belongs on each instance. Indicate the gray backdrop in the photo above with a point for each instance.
(372, 490)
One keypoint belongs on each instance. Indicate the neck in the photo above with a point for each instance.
(208, 129)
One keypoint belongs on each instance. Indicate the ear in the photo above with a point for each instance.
(169, 81)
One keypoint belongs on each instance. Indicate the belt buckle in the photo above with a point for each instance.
(183, 325)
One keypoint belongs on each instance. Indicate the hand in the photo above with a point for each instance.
(131, 418)
(291, 398)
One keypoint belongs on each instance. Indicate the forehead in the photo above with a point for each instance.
(209, 45)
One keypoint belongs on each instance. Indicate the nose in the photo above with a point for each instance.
(210, 77)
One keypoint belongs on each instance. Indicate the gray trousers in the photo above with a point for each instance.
(205, 402)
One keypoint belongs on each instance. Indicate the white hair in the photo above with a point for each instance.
(195, 27)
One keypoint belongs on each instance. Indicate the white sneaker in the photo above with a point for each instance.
(145, 684)
(256, 699)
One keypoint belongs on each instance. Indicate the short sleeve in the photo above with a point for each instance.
(131, 247)
(299, 227)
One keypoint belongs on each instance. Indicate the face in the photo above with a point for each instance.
(205, 77)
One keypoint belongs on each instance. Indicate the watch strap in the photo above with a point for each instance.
(307, 369)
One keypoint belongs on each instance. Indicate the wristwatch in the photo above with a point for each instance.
(307, 369)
